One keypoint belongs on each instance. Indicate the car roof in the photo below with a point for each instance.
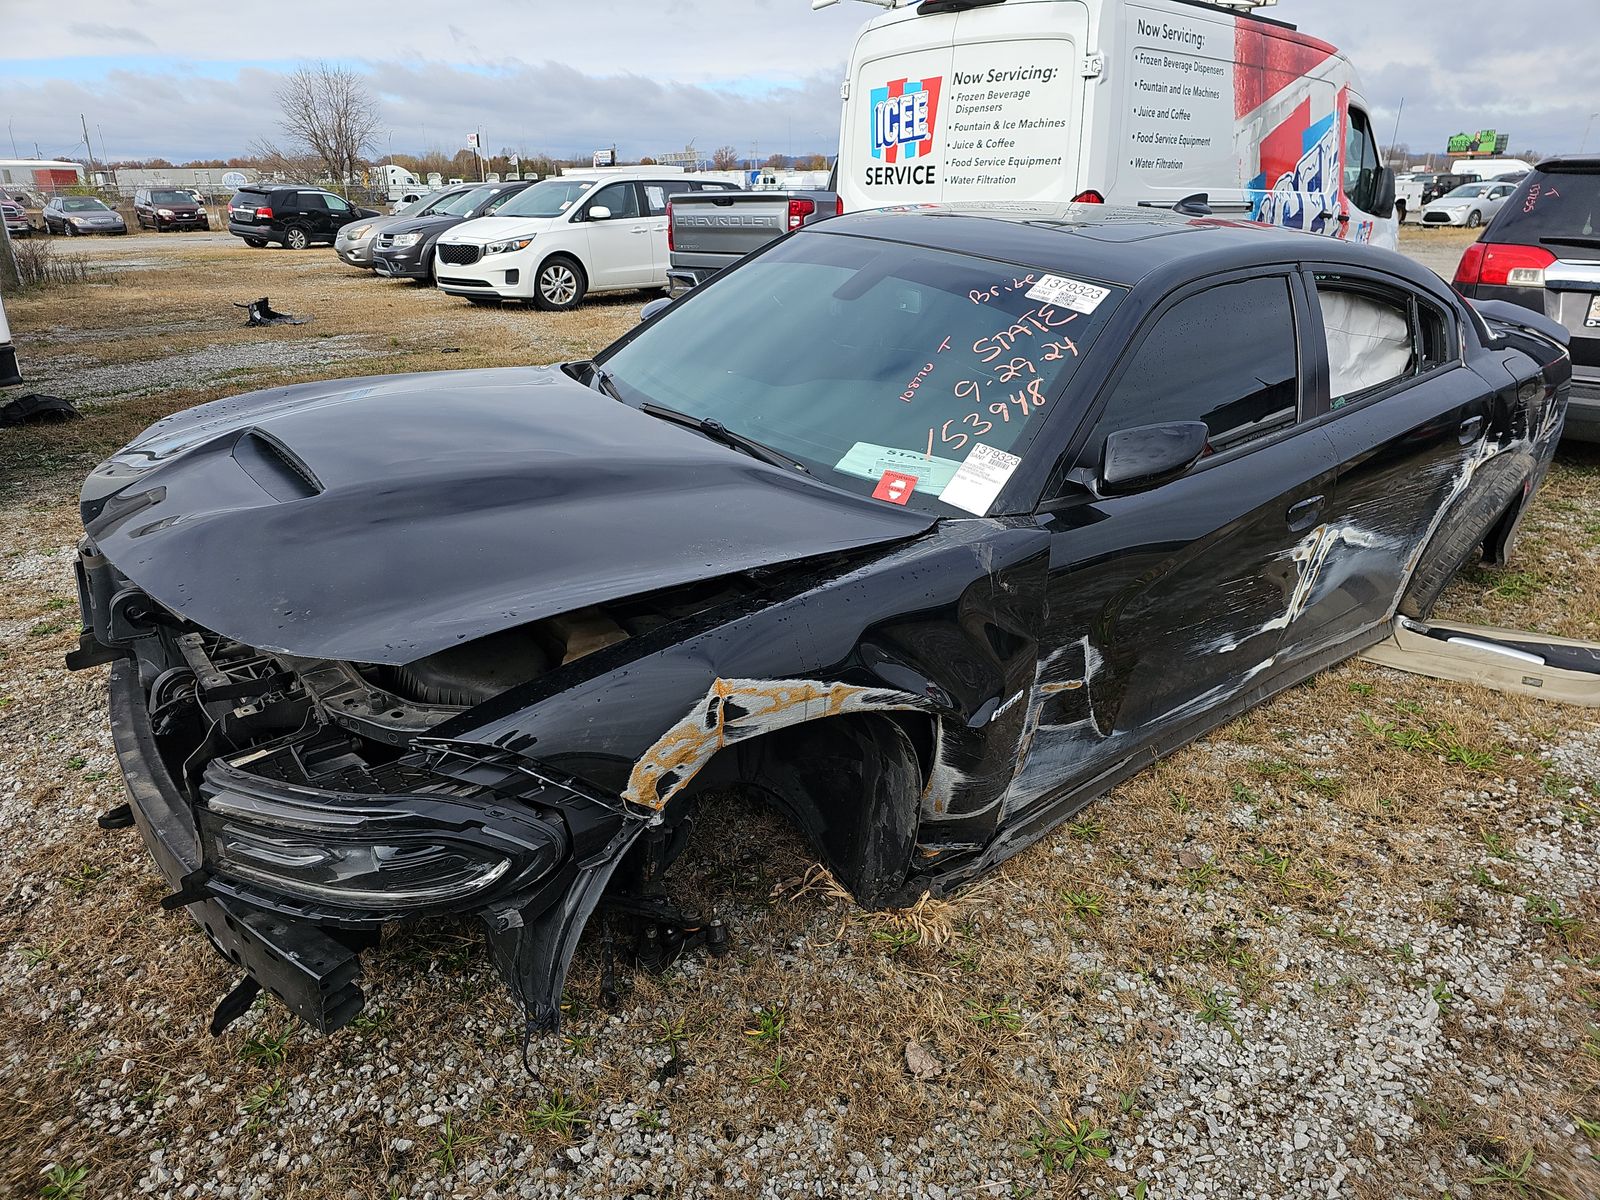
(1111, 243)
(1572, 163)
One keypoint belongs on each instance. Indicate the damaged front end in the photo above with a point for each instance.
(297, 806)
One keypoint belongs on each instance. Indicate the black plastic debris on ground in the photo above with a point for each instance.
(262, 313)
(36, 409)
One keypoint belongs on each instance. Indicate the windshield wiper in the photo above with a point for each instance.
(718, 432)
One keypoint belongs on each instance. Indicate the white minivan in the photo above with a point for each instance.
(568, 236)
(1115, 101)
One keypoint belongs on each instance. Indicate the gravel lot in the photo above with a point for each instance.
(1345, 947)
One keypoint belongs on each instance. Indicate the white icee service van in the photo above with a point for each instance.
(1120, 101)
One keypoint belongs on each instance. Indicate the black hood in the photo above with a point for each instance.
(437, 223)
(381, 520)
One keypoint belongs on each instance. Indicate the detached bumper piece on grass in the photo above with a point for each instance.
(1507, 660)
(36, 409)
(262, 313)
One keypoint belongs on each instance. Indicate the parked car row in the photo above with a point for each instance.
(548, 243)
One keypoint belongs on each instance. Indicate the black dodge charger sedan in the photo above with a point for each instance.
(927, 525)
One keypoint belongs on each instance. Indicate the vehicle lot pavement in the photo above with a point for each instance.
(1345, 946)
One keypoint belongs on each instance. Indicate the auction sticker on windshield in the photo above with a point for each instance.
(1062, 292)
(871, 461)
(980, 479)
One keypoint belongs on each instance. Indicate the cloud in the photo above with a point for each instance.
(650, 75)
(95, 32)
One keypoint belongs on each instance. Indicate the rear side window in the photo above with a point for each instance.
(655, 199)
(1226, 356)
(1556, 205)
(1376, 337)
(311, 202)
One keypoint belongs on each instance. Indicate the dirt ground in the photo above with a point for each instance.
(1347, 946)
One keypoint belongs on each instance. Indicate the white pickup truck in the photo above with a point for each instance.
(707, 231)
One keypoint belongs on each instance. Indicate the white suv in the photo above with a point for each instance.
(561, 239)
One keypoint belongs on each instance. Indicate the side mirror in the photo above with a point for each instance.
(655, 308)
(599, 212)
(1384, 208)
(1150, 455)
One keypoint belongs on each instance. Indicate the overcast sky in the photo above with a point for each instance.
(195, 80)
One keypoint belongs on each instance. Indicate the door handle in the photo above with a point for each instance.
(1305, 514)
(1470, 429)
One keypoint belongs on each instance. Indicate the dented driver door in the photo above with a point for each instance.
(1168, 602)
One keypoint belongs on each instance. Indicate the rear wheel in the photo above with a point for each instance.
(561, 284)
(296, 238)
(1462, 533)
(1400, 211)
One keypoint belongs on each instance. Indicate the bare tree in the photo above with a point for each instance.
(726, 158)
(328, 111)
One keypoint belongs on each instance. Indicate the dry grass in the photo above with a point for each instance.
(1318, 860)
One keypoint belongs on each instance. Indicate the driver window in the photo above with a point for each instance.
(620, 198)
(335, 204)
(1361, 166)
(1226, 356)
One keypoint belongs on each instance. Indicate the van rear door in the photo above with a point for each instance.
(965, 106)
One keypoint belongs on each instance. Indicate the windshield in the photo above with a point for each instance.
(462, 203)
(439, 203)
(873, 363)
(548, 199)
(1467, 191)
(171, 198)
(82, 204)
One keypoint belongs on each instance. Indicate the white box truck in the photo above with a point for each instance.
(1115, 101)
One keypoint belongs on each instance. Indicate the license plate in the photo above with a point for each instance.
(1592, 321)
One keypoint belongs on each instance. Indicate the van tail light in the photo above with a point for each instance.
(1089, 196)
(799, 209)
(1499, 265)
(264, 214)
(670, 246)
(838, 206)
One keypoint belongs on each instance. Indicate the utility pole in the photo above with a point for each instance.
(1395, 137)
(88, 147)
(478, 150)
(13, 134)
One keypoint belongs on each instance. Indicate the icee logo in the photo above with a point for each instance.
(904, 115)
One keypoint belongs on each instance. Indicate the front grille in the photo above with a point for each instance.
(1435, 219)
(458, 255)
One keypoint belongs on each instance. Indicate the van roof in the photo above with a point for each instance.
(1111, 243)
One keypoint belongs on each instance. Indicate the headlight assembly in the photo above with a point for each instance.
(406, 239)
(508, 245)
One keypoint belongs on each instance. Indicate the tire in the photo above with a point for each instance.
(560, 284)
(296, 238)
(1453, 544)
(71, 230)
(255, 243)
(1400, 211)
(1474, 219)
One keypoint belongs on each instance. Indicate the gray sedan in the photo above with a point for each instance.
(355, 241)
(1470, 205)
(81, 214)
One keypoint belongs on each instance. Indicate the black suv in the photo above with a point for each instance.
(1542, 251)
(292, 215)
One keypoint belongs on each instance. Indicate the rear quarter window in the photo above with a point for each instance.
(1553, 205)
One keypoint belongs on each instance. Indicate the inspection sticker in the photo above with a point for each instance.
(980, 479)
(895, 487)
(1068, 293)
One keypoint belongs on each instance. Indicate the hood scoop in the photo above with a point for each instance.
(279, 471)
